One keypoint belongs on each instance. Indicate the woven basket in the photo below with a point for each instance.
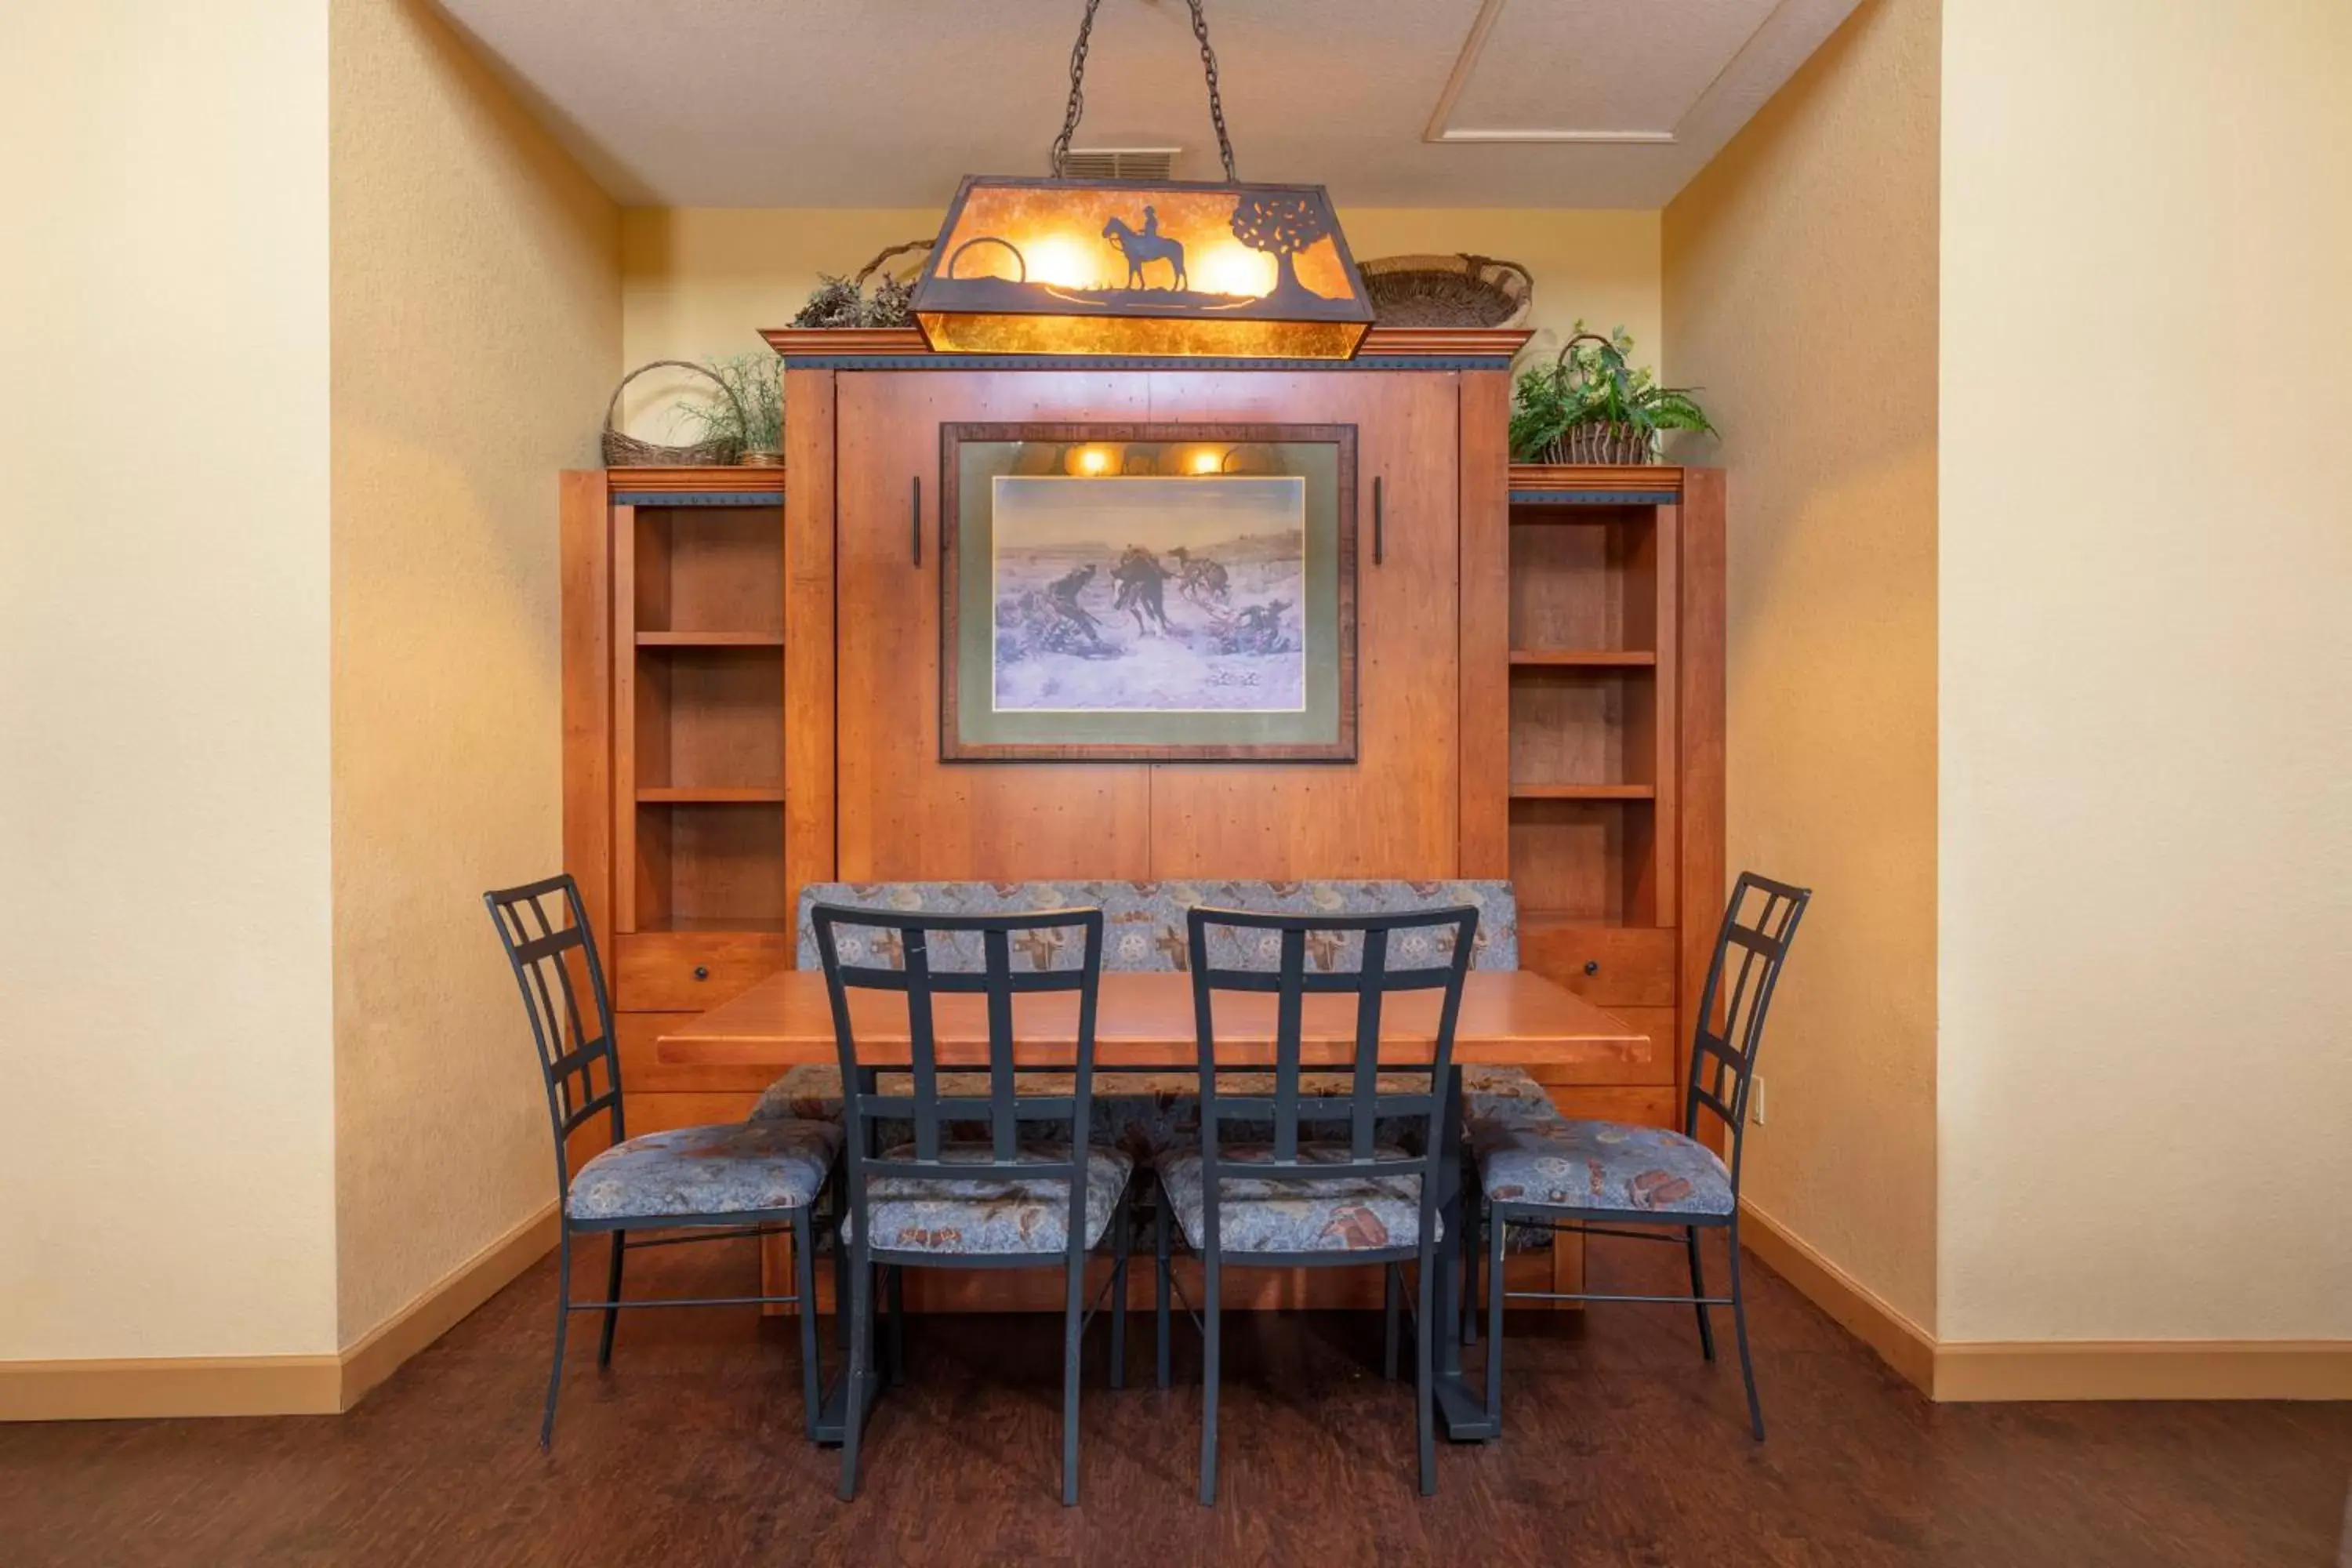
(1614, 444)
(1448, 291)
(624, 451)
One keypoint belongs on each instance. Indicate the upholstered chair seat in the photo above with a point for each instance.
(1602, 1166)
(1346, 1214)
(728, 1168)
(990, 1213)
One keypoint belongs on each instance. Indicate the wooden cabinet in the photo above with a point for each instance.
(752, 666)
(1608, 725)
(674, 750)
(901, 812)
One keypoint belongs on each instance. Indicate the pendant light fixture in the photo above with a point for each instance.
(1159, 268)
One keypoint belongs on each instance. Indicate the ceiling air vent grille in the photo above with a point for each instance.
(1119, 163)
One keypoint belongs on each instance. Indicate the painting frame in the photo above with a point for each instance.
(1333, 667)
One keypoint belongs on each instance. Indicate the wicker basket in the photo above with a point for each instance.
(624, 451)
(1614, 445)
(1448, 291)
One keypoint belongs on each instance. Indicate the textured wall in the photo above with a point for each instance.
(2147, 692)
(1800, 292)
(477, 328)
(703, 281)
(166, 1102)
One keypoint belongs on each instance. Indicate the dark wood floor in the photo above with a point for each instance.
(1622, 1447)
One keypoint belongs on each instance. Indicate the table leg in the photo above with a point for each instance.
(1462, 1413)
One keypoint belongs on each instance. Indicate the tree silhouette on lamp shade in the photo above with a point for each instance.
(1283, 225)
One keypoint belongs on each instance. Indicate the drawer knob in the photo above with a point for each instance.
(1591, 966)
(701, 972)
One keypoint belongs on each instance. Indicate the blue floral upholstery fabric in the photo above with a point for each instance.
(1140, 1113)
(1147, 1115)
(733, 1167)
(1144, 922)
(1346, 1214)
(1601, 1166)
(993, 1213)
(1493, 1093)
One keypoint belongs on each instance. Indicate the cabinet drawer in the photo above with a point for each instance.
(1630, 966)
(665, 971)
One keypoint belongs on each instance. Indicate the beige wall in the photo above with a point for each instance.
(699, 282)
(476, 328)
(166, 1096)
(2147, 686)
(1800, 293)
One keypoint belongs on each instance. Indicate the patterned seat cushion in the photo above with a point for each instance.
(1346, 1214)
(1140, 1113)
(1144, 925)
(1614, 1166)
(735, 1167)
(1497, 1094)
(993, 1213)
(1145, 1114)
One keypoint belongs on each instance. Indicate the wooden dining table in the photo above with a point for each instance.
(1511, 1017)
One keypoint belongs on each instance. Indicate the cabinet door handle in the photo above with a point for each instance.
(701, 972)
(1379, 522)
(1591, 966)
(915, 522)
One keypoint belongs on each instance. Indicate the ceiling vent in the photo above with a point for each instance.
(1119, 163)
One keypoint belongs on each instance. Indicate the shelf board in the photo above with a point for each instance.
(705, 794)
(1574, 485)
(1583, 658)
(1583, 792)
(711, 640)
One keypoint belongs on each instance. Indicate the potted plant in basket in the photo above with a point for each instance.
(751, 416)
(1590, 406)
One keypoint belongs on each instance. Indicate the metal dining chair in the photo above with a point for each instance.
(973, 1186)
(1597, 1178)
(717, 1183)
(1259, 1195)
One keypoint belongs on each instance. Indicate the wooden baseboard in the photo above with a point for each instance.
(378, 1353)
(1973, 1372)
(1965, 1371)
(118, 1389)
(1901, 1343)
(127, 1388)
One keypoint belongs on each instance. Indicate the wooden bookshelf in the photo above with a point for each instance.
(677, 711)
(1612, 740)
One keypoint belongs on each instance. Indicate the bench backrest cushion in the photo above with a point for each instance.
(1144, 922)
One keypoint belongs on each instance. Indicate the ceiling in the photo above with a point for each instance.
(860, 103)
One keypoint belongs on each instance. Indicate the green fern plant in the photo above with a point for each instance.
(1593, 384)
(758, 385)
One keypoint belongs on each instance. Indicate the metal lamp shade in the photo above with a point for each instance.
(1165, 270)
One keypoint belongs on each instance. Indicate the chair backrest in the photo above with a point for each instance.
(1143, 922)
(904, 941)
(1229, 952)
(544, 930)
(1760, 923)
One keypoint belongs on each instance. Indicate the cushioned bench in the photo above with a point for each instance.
(1144, 928)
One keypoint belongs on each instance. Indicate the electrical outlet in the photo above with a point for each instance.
(1756, 1103)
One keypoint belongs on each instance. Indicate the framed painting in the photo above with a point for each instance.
(1148, 592)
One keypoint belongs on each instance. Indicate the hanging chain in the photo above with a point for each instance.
(1078, 96)
(1077, 88)
(1216, 104)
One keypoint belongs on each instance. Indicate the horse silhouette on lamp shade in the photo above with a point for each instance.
(1143, 247)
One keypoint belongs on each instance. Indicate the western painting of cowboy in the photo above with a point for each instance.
(1149, 596)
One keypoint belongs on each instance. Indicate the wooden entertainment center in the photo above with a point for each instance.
(751, 667)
